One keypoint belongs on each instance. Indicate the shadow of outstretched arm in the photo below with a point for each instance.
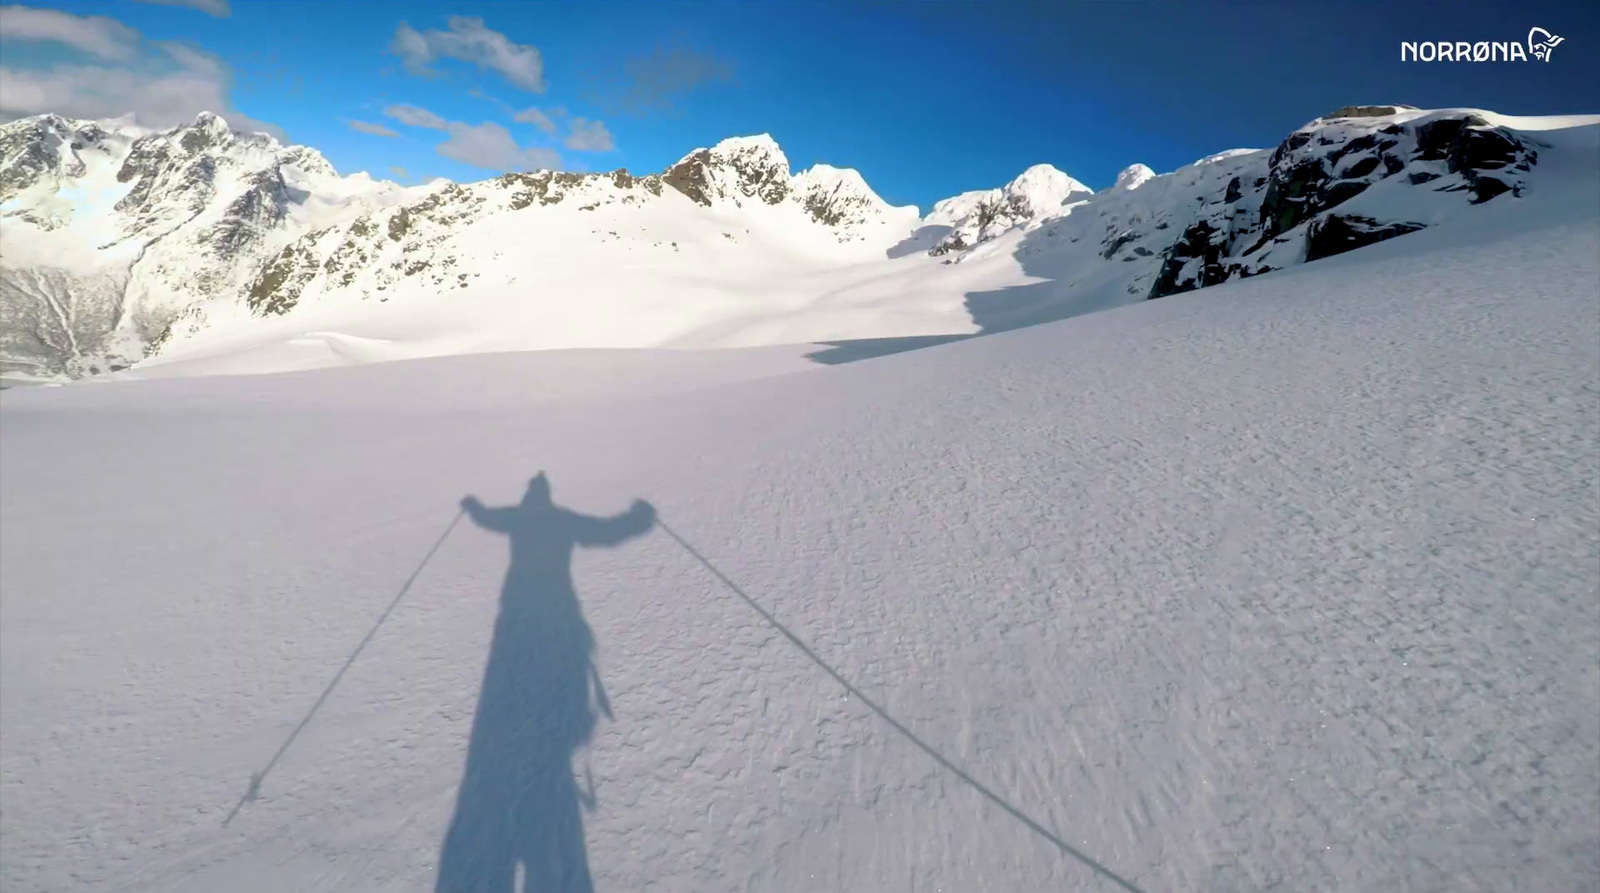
(636, 521)
(499, 520)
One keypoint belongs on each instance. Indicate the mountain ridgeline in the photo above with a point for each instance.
(120, 244)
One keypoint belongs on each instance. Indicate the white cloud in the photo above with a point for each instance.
(87, 91)
(399, 171)
(412, 48)
(469, 41)
(415, 116)
(373, 129)
(194, 59)
(155, 96)
(160, 84)
(99, 36)
(536, 118)
(491, 146)
(487, 145)
(218, 8)
(589, 136)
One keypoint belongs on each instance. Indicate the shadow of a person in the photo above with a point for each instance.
(518, 803)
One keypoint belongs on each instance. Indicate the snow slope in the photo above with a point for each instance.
(1285, 583)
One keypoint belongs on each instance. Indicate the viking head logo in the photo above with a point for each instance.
(1541, 42)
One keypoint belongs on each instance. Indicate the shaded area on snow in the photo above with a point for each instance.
(839, 352)
(519, 804)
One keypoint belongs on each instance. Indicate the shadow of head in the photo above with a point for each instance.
(519, 806)
(538, 492)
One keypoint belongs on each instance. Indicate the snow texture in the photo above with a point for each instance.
(1287, 583)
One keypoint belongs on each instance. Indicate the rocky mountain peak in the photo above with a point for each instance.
(1307, 200)
(972, 218)
(840, 197)
(44, 148)
(734, 170)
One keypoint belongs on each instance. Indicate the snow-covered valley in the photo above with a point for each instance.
(1282, 583)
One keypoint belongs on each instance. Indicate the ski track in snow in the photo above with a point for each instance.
(1285, 584)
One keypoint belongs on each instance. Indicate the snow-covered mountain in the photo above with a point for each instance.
(972, 217)
(231, 252)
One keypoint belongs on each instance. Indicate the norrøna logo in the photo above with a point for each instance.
(1540, 43)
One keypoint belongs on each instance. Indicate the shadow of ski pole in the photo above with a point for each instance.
(924, 746)
(254, 790)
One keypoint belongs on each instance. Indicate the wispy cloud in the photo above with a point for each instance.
(537, 118)
(488, 145)
(659, 81)
(491, 146)
(218, 8)
(160, 84)
(374, 129)
(399, 172)
(415, 116)
(99, 36)
(589, 136)
(469, 40)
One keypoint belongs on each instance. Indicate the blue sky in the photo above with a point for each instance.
(926, 99)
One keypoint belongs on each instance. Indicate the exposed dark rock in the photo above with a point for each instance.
(1233, 193)
(1339, 193)
(1371, 111)
(690, 177)
(399, 224)
(277, 288)
(1485, 188)
(1359, 144)
(1336, 234)
(264, 204)
(1469, 146)
(823, 210)
(1295, 140)
(1362, 167)
(195, 140)
(1293, 197)
(32, 152)
(1197, 241)
(1113, 244)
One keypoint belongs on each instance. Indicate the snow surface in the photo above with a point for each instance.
(1286, 583)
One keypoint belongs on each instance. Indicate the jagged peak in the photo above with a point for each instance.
(840, 195)
(735, 168)
(837, 180)
(760, 145)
